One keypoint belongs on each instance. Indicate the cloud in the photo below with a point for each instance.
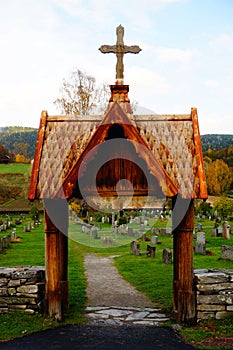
(222, 42)
(146, 79)
(168, 54)
(211, 83)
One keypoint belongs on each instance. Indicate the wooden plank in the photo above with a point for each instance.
(183, 293)
(64, 259)
(38, 152)
(52, 265)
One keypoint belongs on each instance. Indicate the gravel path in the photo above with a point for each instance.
(106, 287)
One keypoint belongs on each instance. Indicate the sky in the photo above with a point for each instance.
(186, 59)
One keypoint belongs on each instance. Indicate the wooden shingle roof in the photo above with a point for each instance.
(173, 156)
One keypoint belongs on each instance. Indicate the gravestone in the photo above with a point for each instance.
(13, 234)
(95, 233)
(219, 231)
(150, 251)
(167, 256)
(144, 237)
(135, 248)
(152, 230)
(163, 231)
(199, 227)
(214, 232)
(8, 225)
(28, 228)
(200, 243)
(226, 230)
(137, 235)
(227, 252)
(130, 231)
(154, 239)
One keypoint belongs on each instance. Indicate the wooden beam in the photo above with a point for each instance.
(52, 269)
(56, 257)
(64, 259)
(183, 294)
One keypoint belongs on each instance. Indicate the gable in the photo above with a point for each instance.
(169, 144)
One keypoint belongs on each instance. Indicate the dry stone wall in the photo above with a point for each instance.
(214, 293)
(22, 289)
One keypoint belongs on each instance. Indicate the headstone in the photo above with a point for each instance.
(167, 256)
(199, 227)
(227, 252)
(152, 230)
(28, 228)
(137, 235)
(95, 233)
(214, 232)
(135, 248)
(226, 230)
(219, 231)
(13, 234)
(144, 237)
(163, 231)
(150, 251)
(130, 231)
(154, 239)
(200, 243)
(142, 227)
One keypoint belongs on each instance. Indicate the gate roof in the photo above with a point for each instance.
(173, 142)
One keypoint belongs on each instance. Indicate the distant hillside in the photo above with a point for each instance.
(11, 137)
(216, 141)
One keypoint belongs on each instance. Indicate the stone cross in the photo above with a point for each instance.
(120, 49)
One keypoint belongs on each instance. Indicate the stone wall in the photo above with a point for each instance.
(22, 289)
(214, 293)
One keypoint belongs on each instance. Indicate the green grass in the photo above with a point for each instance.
(208, 329)
(15, 168)
(31, 252)
(14, 181)
(150, 276)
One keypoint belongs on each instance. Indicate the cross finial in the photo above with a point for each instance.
(120, 49)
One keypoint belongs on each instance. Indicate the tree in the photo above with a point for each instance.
(20, 148)
(19, 158)
(80, 95)
(224, 207)
(3, 151)
(218, 177)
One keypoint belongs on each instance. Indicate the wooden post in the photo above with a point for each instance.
(184, 301)
(56, 257)
(64, 258)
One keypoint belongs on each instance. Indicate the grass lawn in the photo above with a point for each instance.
(15, 168)
(150, 276)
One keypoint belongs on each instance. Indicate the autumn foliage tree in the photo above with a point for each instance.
(80, 95)
(218, 177)
(224, 206)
